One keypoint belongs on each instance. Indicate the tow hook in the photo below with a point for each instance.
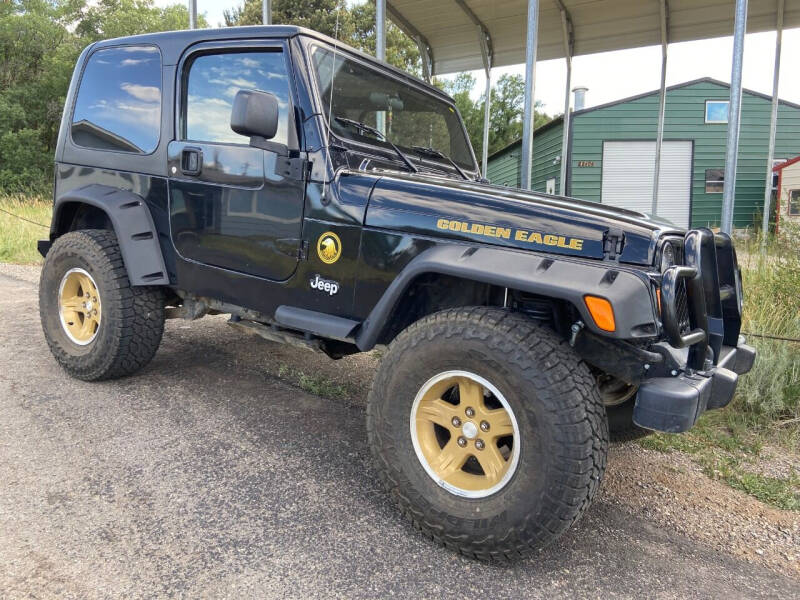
(576, 328)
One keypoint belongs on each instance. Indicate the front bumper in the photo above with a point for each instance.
(701, 305)
(673, 404)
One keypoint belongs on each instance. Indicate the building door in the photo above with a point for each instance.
(628, 172)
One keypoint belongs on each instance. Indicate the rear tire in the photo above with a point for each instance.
(559, 424)
(118, 329)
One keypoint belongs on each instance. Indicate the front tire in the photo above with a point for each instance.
(97, 325)
(533, 405)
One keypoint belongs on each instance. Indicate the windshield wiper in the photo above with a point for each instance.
(439, 154)
(363, 127)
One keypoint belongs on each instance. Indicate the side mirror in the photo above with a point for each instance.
(255, 114)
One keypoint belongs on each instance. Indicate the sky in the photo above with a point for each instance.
(608, 74)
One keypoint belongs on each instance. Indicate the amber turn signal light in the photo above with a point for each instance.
(601, 311)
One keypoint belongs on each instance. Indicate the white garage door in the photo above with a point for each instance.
(628, 171)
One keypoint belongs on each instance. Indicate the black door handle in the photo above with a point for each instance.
(191, 161)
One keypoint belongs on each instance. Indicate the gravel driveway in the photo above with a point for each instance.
(204, 475)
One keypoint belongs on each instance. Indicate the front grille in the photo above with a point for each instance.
(699, 309)
(682, 307)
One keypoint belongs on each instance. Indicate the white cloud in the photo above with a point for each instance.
(146, 93)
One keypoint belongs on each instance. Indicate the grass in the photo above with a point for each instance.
(769, 396)
(314, 384)
(731, 456)
(728, 444)
(18, 238)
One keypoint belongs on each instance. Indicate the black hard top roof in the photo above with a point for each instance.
(174, 43)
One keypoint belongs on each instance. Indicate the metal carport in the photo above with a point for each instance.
(460, 35)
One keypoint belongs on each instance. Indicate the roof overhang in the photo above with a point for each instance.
(598, 26)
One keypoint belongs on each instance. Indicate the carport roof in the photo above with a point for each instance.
(598, 26)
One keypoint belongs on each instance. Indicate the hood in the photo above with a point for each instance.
(491, 214)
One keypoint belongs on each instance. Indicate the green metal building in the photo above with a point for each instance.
(611, 153)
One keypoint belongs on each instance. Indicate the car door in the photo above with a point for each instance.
(232, 205)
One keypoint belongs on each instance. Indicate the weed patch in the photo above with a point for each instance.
(314, 384)
(18, 237)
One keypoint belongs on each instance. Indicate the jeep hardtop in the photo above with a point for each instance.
(331, 201)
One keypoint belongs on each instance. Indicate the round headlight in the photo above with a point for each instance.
(667, 256)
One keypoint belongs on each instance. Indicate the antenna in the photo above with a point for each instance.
(330, 101)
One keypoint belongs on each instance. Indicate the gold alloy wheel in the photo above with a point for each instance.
(465, 434)
(79, 306)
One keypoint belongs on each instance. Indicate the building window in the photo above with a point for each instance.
(550, 186)
(794, 203)
(775, 174)
(214, 80)
(717, 111)
(119, 102)
(715, 181)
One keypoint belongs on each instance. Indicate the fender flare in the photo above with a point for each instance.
(133, 225)
(564, 279)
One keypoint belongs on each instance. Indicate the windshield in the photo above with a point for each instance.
(405, 115)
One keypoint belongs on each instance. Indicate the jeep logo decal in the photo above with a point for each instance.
(324, 285)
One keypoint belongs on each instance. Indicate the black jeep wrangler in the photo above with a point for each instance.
(324, 199)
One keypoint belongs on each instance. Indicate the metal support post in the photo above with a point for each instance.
(192, 14)
(485, 41)
(773, 125)
(423, 45)
(487, 113)
(266, 12)
(380, 52)
(567, 32)
(425, 58)
(734, 117)
(486, 53)
(531, 42)
(380, 29)
(662, 104)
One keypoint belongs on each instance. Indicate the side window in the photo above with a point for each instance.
(717, 111)
(119, 101)
(794, 202)
(212, 84)
(715, 181)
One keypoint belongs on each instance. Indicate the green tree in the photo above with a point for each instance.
(401, 50)
(319, 15)
(505, 113)
(356, 25)
(40, 40)
(505, 120)
(37, 53)
(106, 19)
(460, 88)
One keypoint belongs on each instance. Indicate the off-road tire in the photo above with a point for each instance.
(621, 427)
(132, 320)
(561, 419)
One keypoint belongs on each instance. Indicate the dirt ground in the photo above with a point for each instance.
(211, 473)
(667, 489)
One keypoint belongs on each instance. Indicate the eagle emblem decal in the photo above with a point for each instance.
(329, 247)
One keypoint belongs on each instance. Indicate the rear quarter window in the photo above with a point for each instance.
(119, 100)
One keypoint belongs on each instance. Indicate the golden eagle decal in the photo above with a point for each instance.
(329, 247)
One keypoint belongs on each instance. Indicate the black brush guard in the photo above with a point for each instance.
(701, 308)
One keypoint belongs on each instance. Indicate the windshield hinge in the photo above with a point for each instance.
(613, 241)
(293, 247)
(292, 168)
